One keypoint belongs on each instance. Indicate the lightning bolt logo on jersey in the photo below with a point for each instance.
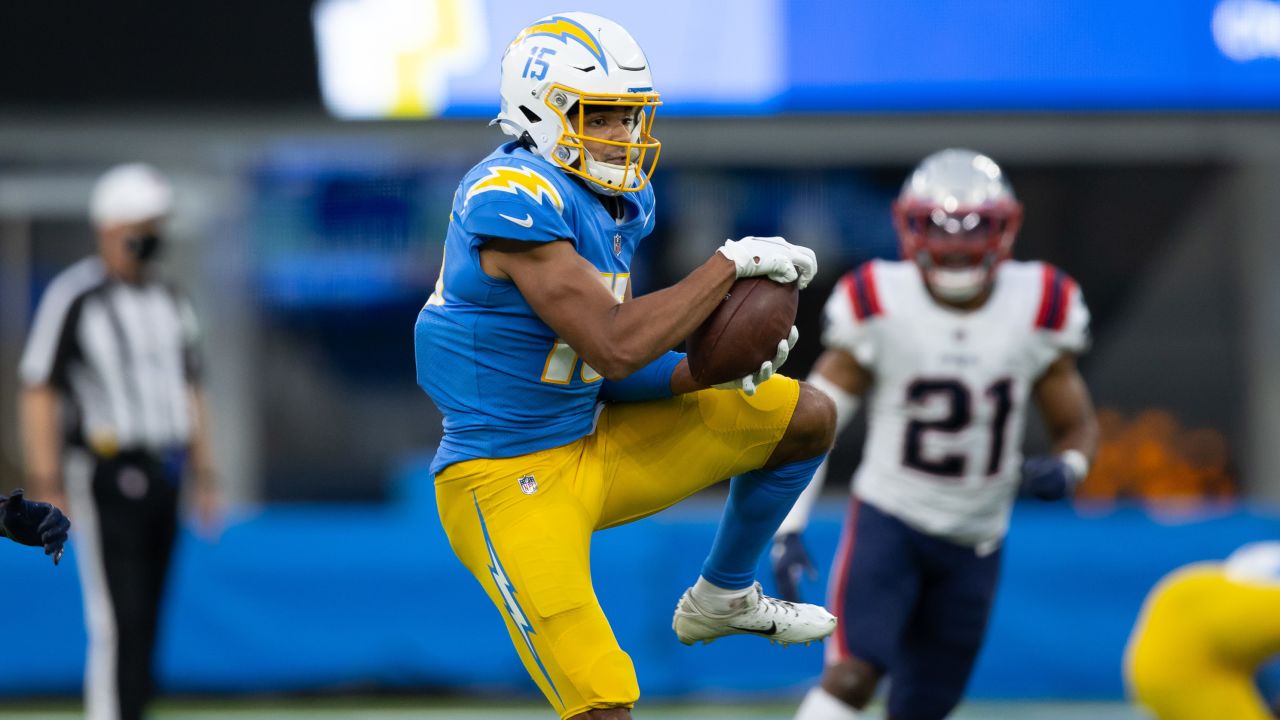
(945, 422)
(504, 382)
(514, 180)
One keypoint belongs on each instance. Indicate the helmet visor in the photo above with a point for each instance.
(954, 240)
(960, 238)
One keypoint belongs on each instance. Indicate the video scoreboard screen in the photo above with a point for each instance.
(394, 59)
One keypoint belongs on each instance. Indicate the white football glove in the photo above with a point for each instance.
(749, 383)
(772, 257)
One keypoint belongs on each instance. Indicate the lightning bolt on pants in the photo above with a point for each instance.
(530, 554)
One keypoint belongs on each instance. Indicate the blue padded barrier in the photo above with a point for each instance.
(326, 596)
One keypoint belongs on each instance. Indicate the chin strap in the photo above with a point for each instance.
(590, 165)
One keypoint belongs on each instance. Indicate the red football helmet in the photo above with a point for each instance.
(956, 219)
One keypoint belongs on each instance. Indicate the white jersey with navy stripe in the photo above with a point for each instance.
(947, 405)
(123, 356)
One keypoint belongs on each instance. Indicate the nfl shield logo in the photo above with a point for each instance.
(617, 244)
(528, 484)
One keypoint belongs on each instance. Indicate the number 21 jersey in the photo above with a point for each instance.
(947, 407)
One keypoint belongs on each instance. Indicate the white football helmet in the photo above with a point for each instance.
(560, 65)
(957, 218)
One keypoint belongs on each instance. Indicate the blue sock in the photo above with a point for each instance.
(758, 501)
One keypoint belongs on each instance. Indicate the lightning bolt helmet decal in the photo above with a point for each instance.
(563, 28)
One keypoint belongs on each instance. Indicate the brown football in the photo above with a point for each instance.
(743, 331)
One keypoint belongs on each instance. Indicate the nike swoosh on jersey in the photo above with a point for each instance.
(526, 222)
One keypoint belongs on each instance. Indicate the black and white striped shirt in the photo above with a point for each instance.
(122, 356)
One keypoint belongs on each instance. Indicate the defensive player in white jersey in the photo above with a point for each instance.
(946, 347)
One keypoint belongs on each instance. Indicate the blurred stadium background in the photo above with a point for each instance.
(316, 147)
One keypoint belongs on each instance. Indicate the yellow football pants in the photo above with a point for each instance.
(523, 525)
(1198, 644)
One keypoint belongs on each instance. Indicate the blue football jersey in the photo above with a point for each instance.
(504, 382)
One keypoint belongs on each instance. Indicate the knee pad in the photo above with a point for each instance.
(613, 680)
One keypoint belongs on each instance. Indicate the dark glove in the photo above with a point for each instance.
(1048, 477)
(790, 563)
(34, 523)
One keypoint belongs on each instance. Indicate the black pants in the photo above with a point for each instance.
(124, 544)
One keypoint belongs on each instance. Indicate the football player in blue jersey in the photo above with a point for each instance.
(564, 411)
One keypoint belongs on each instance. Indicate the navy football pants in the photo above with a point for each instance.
(914, 606)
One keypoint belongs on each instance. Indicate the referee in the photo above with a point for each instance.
(113, 416)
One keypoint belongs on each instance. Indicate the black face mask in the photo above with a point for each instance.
(144, 247)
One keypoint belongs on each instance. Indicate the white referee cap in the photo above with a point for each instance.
(129, 193)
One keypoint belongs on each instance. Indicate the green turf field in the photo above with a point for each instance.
(338, 708)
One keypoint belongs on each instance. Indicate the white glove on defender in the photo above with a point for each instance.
(748, 383)
(772, 257)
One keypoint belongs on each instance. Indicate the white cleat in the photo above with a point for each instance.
(782, 622)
